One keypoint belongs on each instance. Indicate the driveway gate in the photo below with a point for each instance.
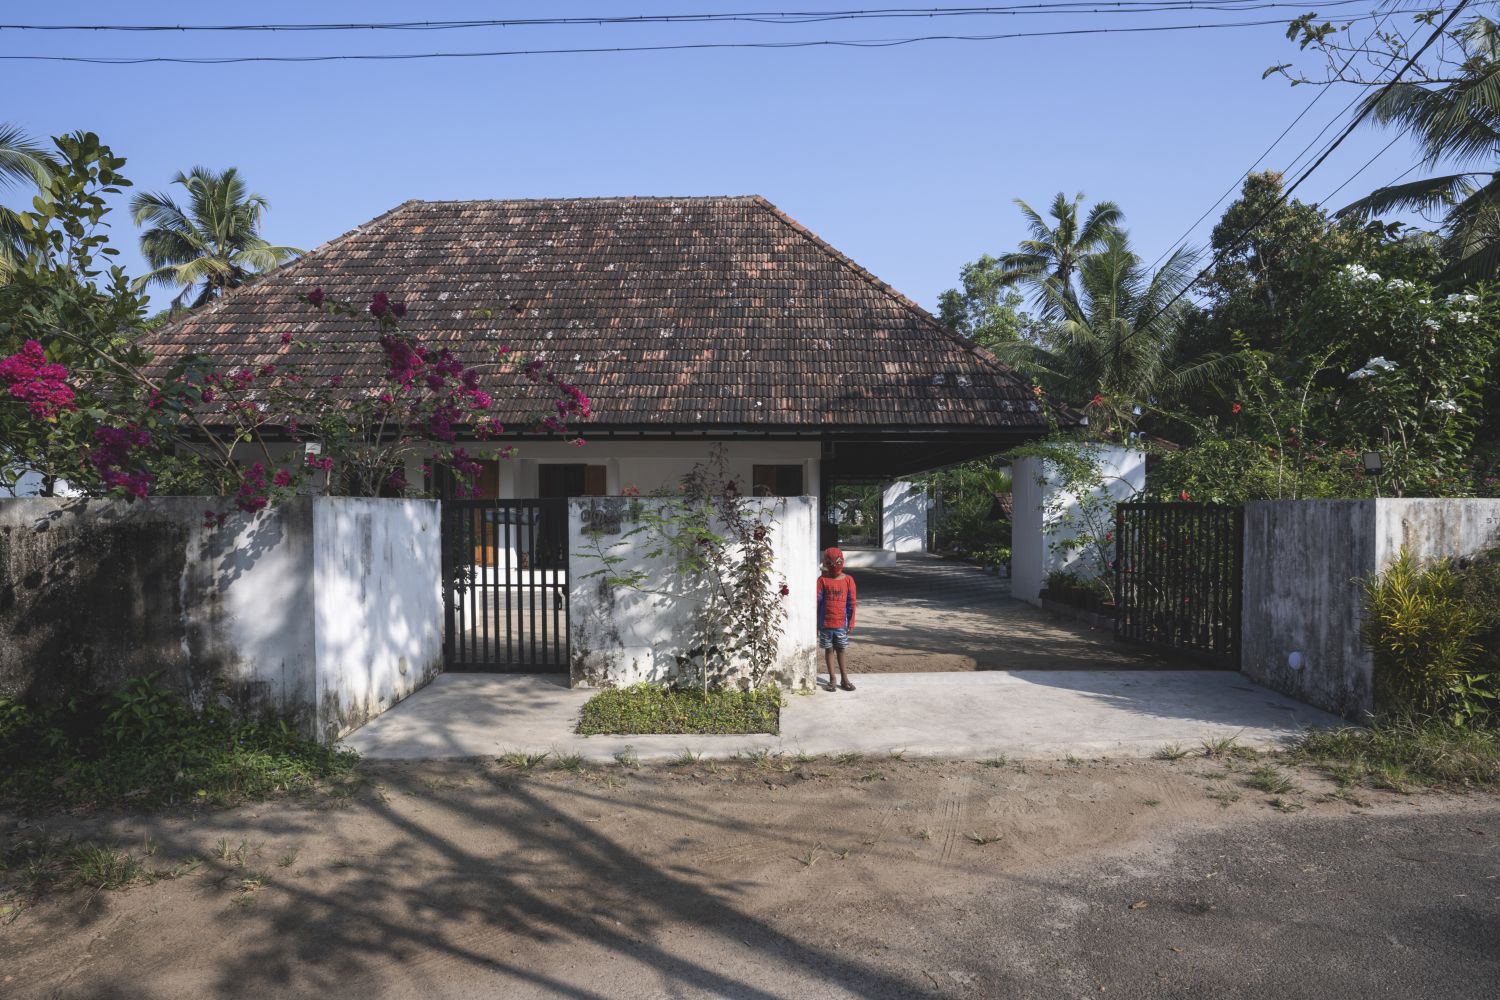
(1179, 578)
(505, 585)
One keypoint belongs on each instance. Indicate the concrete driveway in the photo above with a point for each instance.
(1024, 714)
(926, 614)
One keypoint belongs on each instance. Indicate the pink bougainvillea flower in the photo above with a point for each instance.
(1097, 400)
(208, 395)
(398, 309)
(578, 442)
(1184, 496)
(316, 297)
(785, 590)
(283, 477)
(41, 385)
(286, 338)
(380, 304)
(1235, 408)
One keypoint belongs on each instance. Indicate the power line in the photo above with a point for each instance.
(861, 43)
(757, 17)
(1181, 241)
(1286, 194)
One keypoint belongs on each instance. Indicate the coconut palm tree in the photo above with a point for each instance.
(1457, 121)
(1048, 260)
(1111, 343)
(212, 244)
(22, 162)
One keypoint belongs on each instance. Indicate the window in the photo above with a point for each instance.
(777, 480)
(566, 481)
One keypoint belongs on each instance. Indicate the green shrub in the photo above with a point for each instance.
(648, 708)
(1426, 626)
(141, 746)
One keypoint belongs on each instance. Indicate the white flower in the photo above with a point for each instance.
(1446, 405)
(1399, 284)
(1463, 317)
(1432, 324)
(1465, 298)
(1375, 366)
(1356, 272)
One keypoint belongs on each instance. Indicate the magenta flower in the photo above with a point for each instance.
(42, 386)
(380, 304)
(316, 297)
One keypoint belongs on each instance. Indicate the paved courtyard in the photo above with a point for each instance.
(947, 664)
(926, 614)
(1031, 714)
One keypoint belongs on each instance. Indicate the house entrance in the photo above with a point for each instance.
(505, 585)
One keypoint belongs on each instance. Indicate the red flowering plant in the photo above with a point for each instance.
(81, 401)
(270, 430)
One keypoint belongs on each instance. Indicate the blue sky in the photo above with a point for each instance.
(905, 158)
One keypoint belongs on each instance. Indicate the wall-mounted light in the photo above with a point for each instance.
(1374, 464)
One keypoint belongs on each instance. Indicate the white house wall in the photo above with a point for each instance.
(903, 514)
(621, 635)
(1040, 528)
(649, 466)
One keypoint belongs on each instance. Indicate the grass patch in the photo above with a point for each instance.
(1401, 753)
(1271, 780)
(141, 748)
(645, 708)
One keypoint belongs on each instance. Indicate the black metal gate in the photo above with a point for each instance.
(1179, 578)
(505, 585)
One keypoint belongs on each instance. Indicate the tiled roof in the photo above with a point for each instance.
(688, 312)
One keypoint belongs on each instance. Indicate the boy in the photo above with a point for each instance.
(835, 614)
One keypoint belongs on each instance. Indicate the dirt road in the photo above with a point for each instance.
(859, 878)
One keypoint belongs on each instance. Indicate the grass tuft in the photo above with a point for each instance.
(646, 708)
(1270, 779)
(520, 760)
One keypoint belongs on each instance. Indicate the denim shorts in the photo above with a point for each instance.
(833, 638)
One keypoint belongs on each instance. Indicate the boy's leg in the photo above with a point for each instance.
(843, 669)
(828, 656)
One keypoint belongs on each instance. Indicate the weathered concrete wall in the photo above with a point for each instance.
(1305, 563)
(1046, 515)
(622, 635)
(93, 593)
(903, 516)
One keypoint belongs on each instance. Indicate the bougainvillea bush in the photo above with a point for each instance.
(82, 402)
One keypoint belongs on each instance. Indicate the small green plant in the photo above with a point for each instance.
(520, 760)
(687, 758)
(627, 757)
(287, 860)
(848, 757)
(1226, 748)
(1270, 779)
(571, 762)
(1171, 751)
(813, 856)
(1000, 760)
(983, 839)
(1151, 802)
(98, 867)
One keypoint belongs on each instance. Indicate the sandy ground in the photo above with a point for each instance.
(925, 614)
(874, 877)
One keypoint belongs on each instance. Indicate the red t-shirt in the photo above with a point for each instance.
(836, 601)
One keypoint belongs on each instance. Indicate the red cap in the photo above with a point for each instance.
(833, 557)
